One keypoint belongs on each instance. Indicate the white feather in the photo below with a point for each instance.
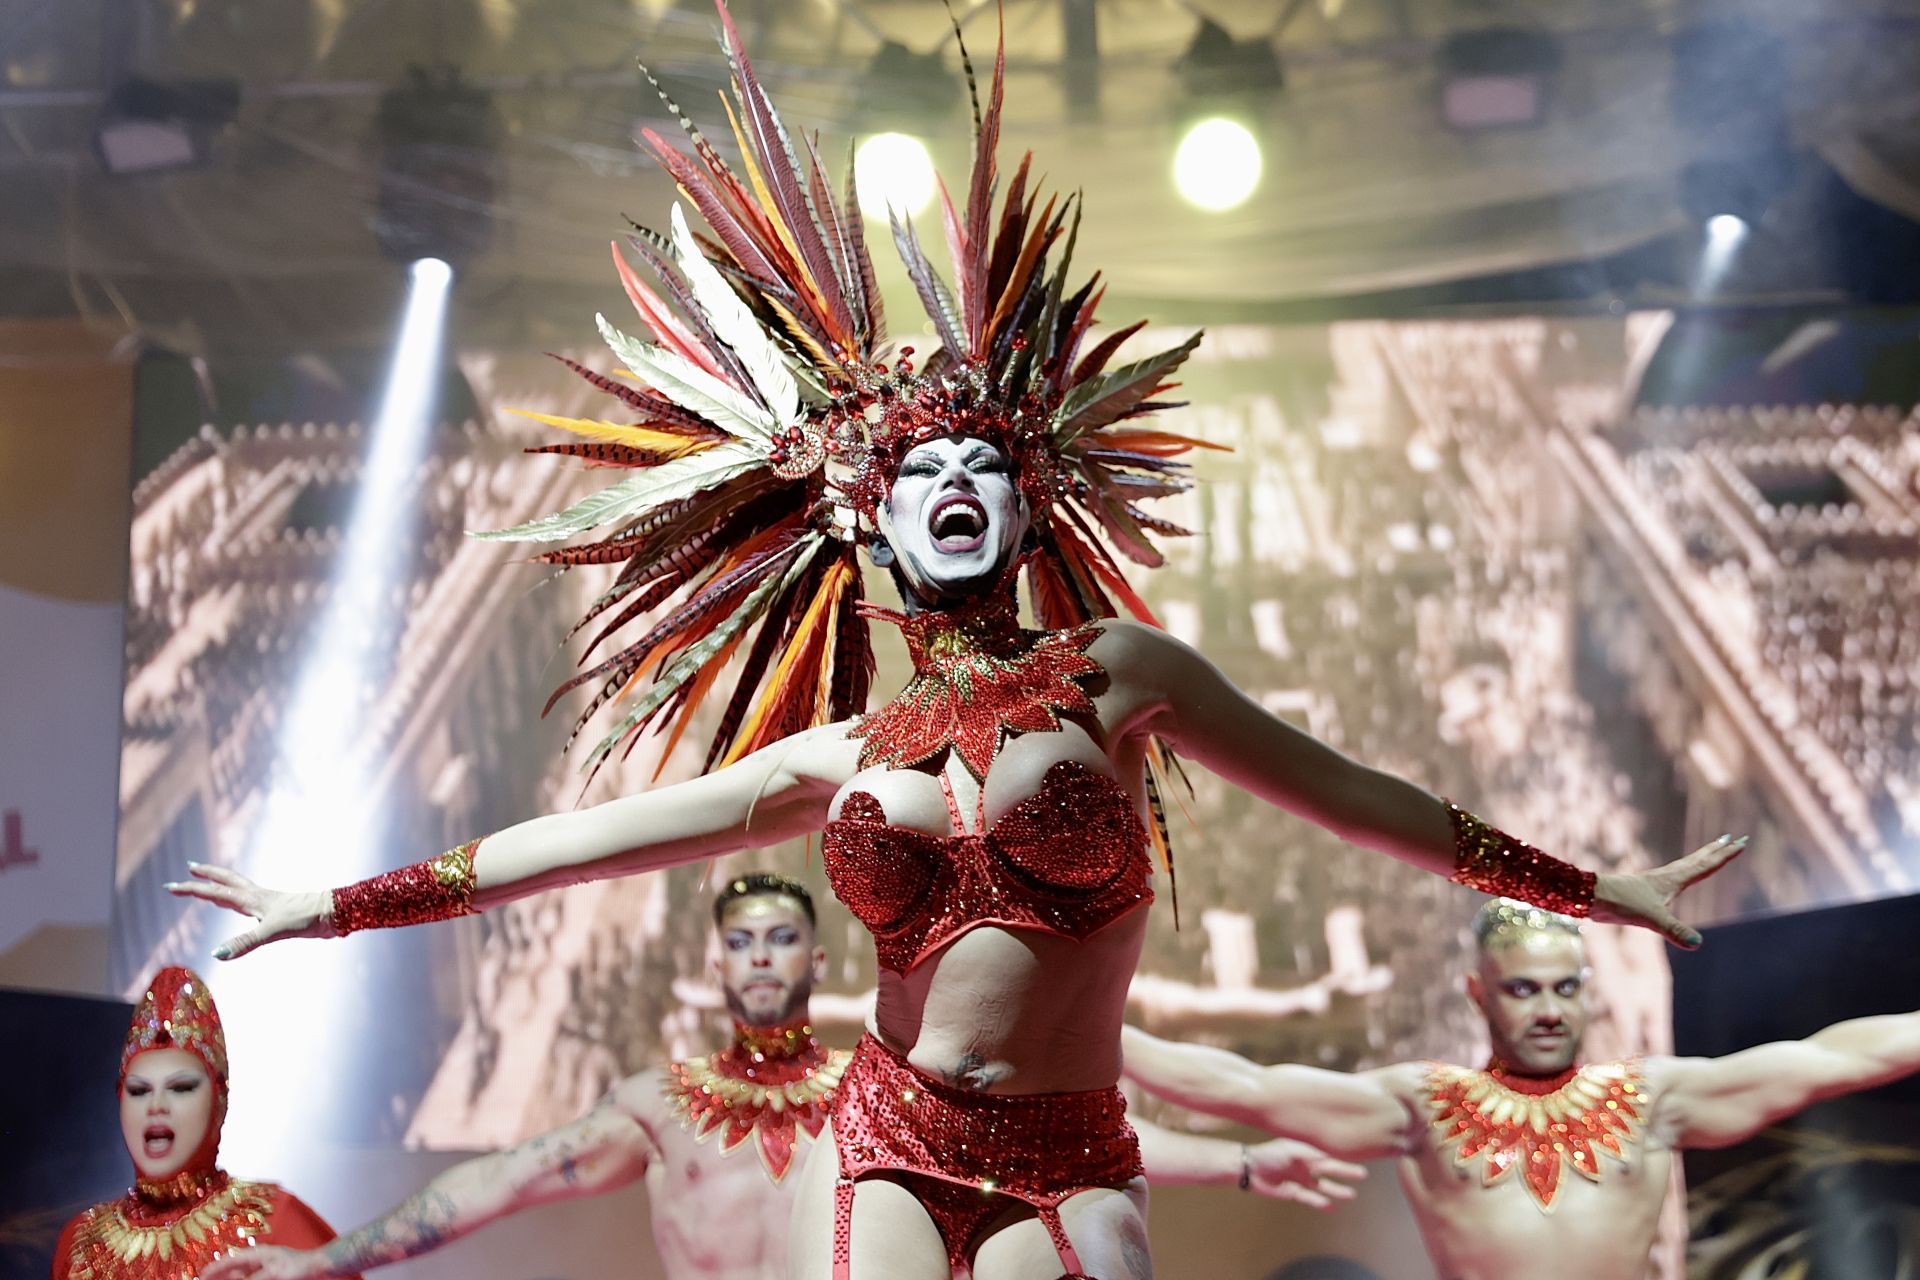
(689, 386)
(736, 325)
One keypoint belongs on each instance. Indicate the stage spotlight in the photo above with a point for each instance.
(1496, 78)
(1217, 164)
(1723, 228)
(893, 171)
(1725, 233)
(148, 126)
(321, 815)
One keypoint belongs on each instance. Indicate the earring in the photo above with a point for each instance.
(880, 551)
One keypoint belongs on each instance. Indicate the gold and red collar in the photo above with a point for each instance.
(168, 1229)
(770, 1084)
(1537, 1124)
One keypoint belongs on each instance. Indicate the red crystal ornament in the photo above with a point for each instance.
(770, 1085)
(1537, 1125)
(978, 678)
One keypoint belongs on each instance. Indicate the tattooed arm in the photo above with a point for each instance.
(606, 1149)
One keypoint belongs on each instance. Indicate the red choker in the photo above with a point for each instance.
(189, 1186)
(771, 1084)
(978, 678)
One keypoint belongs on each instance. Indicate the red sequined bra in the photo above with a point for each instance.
(1069, 860)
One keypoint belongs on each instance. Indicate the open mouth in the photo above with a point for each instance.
(958, 523)
(157, 1140)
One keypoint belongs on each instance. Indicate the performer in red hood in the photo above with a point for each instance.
(184, 1210)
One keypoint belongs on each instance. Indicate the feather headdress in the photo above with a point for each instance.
(765, 416)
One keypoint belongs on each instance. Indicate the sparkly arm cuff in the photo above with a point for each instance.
(437, 889)
(1492, 861)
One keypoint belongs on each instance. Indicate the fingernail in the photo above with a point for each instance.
(1693, 938)
(1741, 843)
(196, 865)
(223, 952)
(1726, 835)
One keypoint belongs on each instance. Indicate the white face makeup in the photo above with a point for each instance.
(166, 1108)
(955, 516)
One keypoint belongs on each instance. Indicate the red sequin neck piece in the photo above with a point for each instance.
(771, 1085)
(134, 1238)
(1538, 1125)
(978, 678)
(169, 1195)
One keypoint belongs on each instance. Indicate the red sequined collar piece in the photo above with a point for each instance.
(135, 1238)
(978, 678)
(769, 1085)
(1535, 1124)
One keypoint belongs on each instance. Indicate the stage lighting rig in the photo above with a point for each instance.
(906, 90)
(1497, 78)
(154, 126)
(1728, 80)
(438, 139)
(1217, 71)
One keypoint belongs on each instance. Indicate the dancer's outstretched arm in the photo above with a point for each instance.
(775, 794)
(1716, 1102)
(1167, 689)
(606, 1149)
(1280, 1169)
(1356, 1116)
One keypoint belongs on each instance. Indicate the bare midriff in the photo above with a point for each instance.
(1016, 1011)
(1008, 1010)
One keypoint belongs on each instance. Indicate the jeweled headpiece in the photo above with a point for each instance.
(177, 1012)
(769, 418)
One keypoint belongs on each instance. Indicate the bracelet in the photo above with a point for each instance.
(1246, 1166)
(1490, 860)
(437, 889)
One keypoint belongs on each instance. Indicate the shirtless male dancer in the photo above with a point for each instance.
(1540, 1161)
(717, 1218)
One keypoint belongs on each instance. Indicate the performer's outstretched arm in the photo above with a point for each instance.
(1280, 1168)
(604, 1150)
(1171, 691)
(1354, 1116)
(778, 793)
(1716, 1102)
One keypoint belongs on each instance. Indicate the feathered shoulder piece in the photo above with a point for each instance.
(762, 416)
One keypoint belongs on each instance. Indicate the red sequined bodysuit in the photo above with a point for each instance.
(1068, 860)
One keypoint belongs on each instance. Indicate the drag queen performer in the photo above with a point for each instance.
(985, 824)
(183, 1211)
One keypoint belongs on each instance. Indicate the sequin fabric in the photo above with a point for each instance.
(1490, 860)
(769, 1086)
(133, 1238)
(1537, 1126)
(978, 679)
(1069, 859)
(437, 889)
(965, 1153)
(177, 1012)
